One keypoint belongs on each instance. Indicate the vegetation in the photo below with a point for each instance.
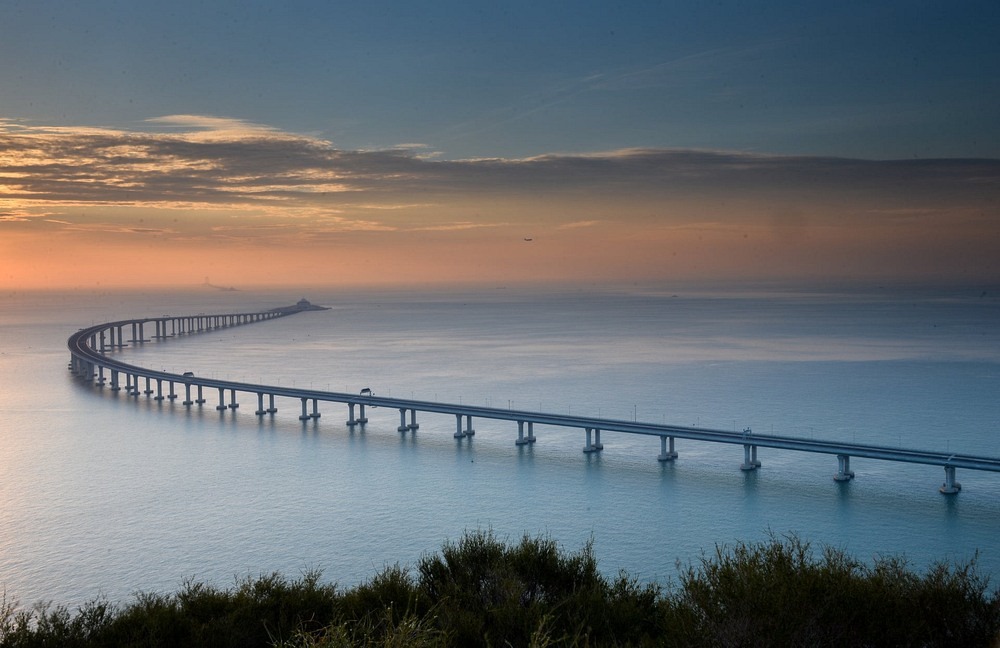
(482, 591)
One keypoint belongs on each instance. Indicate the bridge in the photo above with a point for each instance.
(90, 360)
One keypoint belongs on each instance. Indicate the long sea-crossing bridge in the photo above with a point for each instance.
(90, 360)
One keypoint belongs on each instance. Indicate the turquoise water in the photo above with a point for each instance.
(103, 494)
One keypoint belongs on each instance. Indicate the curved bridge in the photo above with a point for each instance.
(89, 361)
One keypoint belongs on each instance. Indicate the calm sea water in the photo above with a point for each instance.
(103, 494)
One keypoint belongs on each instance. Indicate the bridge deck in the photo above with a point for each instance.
(85, 358)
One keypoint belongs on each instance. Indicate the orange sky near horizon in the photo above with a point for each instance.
(249, 205)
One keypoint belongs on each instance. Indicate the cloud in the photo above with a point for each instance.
(579, 224)
(217, 161)
(212, 169)
(457, 227)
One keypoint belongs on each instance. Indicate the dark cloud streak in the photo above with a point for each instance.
(61, 166)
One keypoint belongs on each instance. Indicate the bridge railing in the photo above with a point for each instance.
(89, 360)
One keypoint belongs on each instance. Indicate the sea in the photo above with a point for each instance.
(103, 495)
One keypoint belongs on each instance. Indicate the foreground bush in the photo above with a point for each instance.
(482, 591)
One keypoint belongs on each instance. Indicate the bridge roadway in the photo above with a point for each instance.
(88, 350)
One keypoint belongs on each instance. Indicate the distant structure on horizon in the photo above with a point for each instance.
(209, 284)
(300, 306)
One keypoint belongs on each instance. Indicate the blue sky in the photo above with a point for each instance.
(400, 142)
(469, 79)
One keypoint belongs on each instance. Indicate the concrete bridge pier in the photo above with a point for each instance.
(351, 422)
(260, 404)
(171, 395)
(667, 452)
(271, 409)
(950, 486)
(128, 383)
(413, 420)
(593, 446)
(315, 413)
(469, 430)
(362, 418)
(201, 397)
(100, 375)
(459, 433)
(521, 438)
(159, 390)
(750, 461)
(114, 380)
(187, 395)
(148, 390)
(403, 427)
(305, 414)
(138, 333)
(222, 400)
(232, 400)
(844, 472)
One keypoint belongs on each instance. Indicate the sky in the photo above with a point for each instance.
(414, 143)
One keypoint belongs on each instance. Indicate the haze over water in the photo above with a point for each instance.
(104, 494)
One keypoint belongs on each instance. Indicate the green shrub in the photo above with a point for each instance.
(777, 593)
(482, 591)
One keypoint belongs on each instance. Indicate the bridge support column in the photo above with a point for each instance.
(315, 413)
(100, 375)
(187, 395)
(750, 461)
(222, 400)
(114, 381)
(667, 452)
(531, 432)
(260, 404)
(403, 427)
(459, 433)
(413, 420)
(520, 434)
(305, 415)
(362, 419)
(593, 446)
(469, 430)
(201, 397)
(844, 472)
(271, 409)
(350, 416)
(232, 399)
(147, 391)
(171, 395)
(159, 390)
(950, 486)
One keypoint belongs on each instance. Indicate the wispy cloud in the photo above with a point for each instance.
(192, 163)
(579, 224)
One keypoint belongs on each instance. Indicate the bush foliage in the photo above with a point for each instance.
(482, 591)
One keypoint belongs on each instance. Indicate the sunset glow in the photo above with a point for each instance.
(248, 195)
